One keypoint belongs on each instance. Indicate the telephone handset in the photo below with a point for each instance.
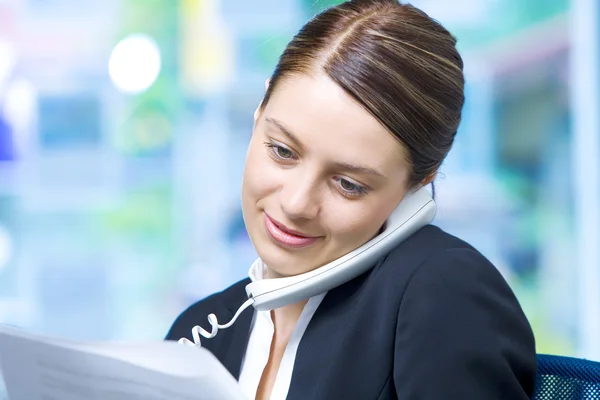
(416, 210)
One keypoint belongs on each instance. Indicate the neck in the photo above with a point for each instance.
(286, 317)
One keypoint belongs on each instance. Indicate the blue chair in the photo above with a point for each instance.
(566, 378)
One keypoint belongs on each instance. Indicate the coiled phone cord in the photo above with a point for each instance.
(212, 319)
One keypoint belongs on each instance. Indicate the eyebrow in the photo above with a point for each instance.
(284, 130)
(345, 166)
(360, 169)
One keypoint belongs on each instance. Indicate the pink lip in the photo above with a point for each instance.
(285, 236)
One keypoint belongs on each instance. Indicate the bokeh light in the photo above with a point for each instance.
(134, 64)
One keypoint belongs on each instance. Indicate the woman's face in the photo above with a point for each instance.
(322, 175)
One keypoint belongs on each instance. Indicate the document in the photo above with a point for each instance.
(36, 367)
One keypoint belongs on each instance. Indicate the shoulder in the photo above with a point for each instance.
(444, 268)
(454, 289)
(428, 241)
(221, 303)
(433, 256)
(457, 311)
(443, 284)
(228, 297)
(463, 281)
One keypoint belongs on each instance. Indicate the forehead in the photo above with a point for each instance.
(325, 118)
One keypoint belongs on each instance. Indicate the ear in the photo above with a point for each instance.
(429, 179)
(256, 112)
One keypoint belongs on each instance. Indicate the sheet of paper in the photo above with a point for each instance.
(36, 369)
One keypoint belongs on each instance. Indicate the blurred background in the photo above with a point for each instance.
(123, 131)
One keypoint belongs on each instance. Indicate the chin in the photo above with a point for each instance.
(282, 263)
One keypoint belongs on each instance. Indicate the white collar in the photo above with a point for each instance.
(257, 270)
(260, 340)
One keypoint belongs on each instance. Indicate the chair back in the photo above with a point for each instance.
(566, 378)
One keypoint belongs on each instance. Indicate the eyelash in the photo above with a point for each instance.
(274, 148)
(357, 190)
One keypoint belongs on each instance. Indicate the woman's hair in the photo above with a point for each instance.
(397, 62)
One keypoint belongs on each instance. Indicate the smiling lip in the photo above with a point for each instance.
(285, 236)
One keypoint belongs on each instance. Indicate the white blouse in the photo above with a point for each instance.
(259, 345)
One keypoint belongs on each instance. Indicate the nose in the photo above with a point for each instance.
(299, 197)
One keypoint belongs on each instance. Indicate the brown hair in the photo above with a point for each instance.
(397, 62)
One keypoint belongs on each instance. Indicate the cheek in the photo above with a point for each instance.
(259, 178)
(351, 227)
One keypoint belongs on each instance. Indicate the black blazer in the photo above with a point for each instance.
(433, 320)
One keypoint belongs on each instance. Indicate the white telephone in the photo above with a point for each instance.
(416, 210)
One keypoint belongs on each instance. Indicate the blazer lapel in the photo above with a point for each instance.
(237, 340)
(312, 364)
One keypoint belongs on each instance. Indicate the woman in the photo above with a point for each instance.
(363, 106)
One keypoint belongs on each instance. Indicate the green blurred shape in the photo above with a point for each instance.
(312, 7)
(507, 18)
(548, 339)
(147, 126)
(267, 49)
(143, 213)
(547, 342)
(142, 223)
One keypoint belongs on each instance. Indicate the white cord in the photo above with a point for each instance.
(212, 319)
